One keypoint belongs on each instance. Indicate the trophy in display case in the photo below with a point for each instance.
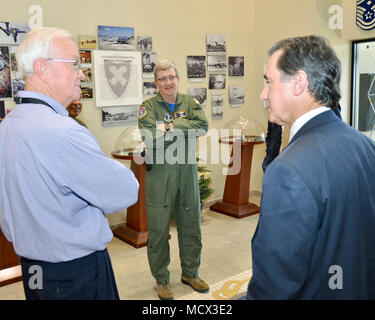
(242, 134)
(129, 146)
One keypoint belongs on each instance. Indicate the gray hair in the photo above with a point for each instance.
(36, 45)
(313, 55)
(164, 65)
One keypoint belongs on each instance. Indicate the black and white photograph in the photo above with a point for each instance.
(13, 33)
(217, 63)
(217, 81)
(217, 105)
(236, 66)
(5, 77)
(196, 67)
(236, 96)
(200, 94)
(144, 43)
(216, 43)
(86, 42)
(116, 116)
(149, 60)
(116, 38)
(149, 88)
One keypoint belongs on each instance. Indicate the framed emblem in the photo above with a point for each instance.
(365, 14)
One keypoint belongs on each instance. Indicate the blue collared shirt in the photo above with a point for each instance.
(56, 185)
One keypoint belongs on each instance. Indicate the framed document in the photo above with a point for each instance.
(118, 78)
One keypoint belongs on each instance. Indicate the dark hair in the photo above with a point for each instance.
(313, 55)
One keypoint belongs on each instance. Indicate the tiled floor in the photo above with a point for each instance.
(225, 262)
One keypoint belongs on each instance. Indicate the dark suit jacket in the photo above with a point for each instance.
(317, 217)
(273, 143)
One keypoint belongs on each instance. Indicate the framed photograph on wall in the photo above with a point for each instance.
(196, 67)
(144, 43)
(236, 66)
(362, 115)
(86, 42)
(116, 38)
(13, 33)
(200, 94)
(236, 96)
(5, 75)
(217, 81)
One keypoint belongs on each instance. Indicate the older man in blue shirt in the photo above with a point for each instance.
(55, 183)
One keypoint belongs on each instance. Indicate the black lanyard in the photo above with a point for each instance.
(20, 100)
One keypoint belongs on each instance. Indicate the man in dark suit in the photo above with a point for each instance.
(315, 237)
(273, 143)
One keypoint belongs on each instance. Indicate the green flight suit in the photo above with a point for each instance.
(172, 188)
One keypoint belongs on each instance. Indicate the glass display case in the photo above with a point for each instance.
(241, 129)
(129, 146)
(129, 143)
(243, 134)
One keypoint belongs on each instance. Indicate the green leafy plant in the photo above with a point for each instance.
(204, 183)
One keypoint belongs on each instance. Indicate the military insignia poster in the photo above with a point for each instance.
(118, 78)
(365, 14)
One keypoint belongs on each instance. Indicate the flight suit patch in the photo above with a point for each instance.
(168, 117)
(180, 114)
(141, 113)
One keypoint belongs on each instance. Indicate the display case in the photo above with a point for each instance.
(243, 134)
(129, 146)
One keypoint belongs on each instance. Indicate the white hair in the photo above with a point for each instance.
(36, 45)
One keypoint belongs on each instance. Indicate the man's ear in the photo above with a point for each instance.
(300, 82)
(41, 69)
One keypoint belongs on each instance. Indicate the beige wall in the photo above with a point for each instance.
(179, 28)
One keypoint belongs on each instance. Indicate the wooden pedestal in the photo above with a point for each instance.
(10, 269)
(235, 201)
(134, 231)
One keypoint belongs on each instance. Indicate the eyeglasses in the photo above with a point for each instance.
(164, 79)
(76, 63)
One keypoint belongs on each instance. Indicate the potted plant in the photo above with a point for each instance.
(204, 183)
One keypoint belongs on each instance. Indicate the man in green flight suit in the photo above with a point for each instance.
(170, 123)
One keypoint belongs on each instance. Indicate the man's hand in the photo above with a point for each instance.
(161, 127)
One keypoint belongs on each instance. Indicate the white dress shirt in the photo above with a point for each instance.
(299, 122)
(56, 185)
